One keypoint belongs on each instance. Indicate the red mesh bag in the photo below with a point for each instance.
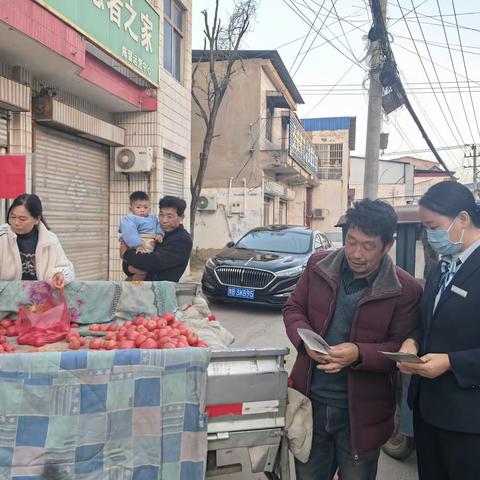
(48, 322)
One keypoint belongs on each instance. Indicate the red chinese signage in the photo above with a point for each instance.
(12, 175)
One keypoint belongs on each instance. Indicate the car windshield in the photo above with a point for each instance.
(281, 242)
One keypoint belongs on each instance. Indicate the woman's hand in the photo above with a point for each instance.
(58, 280)
(435, 364)
(409, 346)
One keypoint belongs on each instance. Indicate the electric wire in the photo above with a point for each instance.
(428, 79)
(455, 73)
(306, 36)
(315, 37)
(307, 21)
(328, 93)
(465, 67)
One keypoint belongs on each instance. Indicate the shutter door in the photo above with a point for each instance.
(3, 131)
(72, 180)
(173, 175)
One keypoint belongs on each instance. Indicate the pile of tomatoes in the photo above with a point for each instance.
(7, 329)
(141, 332)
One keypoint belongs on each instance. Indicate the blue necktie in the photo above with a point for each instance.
(448, 269)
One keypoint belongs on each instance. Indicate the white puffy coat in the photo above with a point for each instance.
(49, 256)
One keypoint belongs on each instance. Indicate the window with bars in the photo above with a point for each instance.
(173, 13)
(330, 154)
(336, 154)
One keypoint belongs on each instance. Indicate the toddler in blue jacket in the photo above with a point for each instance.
(140, 230)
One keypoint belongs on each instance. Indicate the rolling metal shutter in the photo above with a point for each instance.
(3, 131)
(173, 174)
(71, 177)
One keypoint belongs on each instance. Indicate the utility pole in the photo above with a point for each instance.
(374, 121)
(474, 167)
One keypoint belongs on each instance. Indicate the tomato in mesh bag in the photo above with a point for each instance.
(48, 322)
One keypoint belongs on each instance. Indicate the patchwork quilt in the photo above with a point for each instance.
(96, 415)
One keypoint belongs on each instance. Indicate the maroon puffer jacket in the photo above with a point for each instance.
(386, 314)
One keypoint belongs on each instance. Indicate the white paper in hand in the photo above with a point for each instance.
(402, 357)
(313, 340)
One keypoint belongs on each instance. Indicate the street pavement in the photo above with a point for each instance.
(258, 327)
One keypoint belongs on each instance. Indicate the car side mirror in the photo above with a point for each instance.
(230, 244)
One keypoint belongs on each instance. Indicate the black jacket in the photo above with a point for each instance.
(169, 259)
(451, 401)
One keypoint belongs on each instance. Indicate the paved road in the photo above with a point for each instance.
(256, 327)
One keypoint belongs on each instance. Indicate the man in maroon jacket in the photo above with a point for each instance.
(361, 304)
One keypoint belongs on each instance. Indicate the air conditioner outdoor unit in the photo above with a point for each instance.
(319, 213)
(207, 203)
(133, 159)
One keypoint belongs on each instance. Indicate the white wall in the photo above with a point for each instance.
(213, 230)
(388, 172)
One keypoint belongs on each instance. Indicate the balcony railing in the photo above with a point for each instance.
(329, 172)
(300, 146)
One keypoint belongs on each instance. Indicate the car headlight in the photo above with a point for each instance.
(210, 263)
(291, 272)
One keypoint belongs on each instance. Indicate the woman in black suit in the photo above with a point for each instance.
(445, 389)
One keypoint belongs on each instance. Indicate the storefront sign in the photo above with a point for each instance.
(126, 29)
(12, 175)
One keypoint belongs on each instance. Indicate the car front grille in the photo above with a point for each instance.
(244, 277)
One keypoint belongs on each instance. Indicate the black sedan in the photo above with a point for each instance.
(263, 266)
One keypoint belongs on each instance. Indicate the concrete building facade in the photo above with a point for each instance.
(333, 139)
(82, 90)
(261, 162)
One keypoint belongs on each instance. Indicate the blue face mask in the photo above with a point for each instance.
(440, 241)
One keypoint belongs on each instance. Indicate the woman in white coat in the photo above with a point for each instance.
(28, 250)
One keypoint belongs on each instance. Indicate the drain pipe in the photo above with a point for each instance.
(229, 209)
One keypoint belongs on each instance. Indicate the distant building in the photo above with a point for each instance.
(427, 173)
(395, 180)
(401, 180)
(262, 164)
(333, 139)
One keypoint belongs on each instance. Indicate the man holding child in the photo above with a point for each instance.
(171, 253)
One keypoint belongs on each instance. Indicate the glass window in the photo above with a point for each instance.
(268, 213)
(167, 8)
(177, 55)
(326, 241)
(317, 242)
(282, 211)
(178, 17)
(173, 37)
(336, 153)
(167, 47)
(281, 242)
(269, 123)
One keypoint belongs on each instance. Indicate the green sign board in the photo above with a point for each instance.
(126, 29)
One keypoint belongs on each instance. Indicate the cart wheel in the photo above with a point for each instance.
(399, 446)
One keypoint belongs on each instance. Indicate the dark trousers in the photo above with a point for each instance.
(445, 455)
(331, 449)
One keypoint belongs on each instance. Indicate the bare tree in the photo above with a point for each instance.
(220, 52)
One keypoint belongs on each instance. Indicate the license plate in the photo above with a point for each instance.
(246, 293)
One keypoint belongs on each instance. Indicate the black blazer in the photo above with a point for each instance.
(169, 259)
(451, 401)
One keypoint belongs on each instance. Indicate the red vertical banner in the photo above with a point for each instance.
(12, 175)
